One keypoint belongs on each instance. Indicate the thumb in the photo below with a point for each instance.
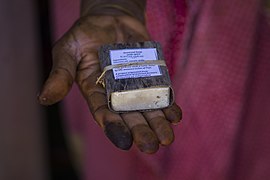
(61, 77)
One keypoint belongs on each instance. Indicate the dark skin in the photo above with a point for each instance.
(75, 59)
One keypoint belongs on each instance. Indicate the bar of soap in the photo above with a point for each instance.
(135, 87)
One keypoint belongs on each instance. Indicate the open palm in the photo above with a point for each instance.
(75, 58)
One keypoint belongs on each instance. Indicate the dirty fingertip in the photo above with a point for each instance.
(119, 135)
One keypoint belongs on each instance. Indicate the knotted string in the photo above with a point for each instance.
(100, 79)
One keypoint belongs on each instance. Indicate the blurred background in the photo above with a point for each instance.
(32, 141)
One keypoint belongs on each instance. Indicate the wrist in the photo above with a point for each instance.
(134, 8)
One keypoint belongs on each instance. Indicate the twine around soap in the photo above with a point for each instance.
(100, 79)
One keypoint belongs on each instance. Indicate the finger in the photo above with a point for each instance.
(173, 113)
(113, 126)
(144, 138)
(88, 72)
(160, 126)
(112, 123)
(60, 79)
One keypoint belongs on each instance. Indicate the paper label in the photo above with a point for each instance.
(123, 56)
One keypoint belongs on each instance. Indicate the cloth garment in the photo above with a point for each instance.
(222, 83)
(220, 69)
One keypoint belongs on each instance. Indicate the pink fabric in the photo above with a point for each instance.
(221, 76)
(165, 23)
(222, 84)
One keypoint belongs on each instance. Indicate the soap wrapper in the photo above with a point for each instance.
(135, 76)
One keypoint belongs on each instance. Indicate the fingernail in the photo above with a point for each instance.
(119, 135)
(42, 100)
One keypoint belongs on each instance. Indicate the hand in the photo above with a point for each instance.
(75, 58)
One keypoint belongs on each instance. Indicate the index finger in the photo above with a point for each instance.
(112, 123)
